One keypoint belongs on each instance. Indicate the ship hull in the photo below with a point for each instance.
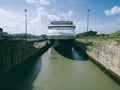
(63, 42)
(63, 46)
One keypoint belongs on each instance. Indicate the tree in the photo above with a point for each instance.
(89, 33)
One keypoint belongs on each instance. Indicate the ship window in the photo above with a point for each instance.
(56, 27)
(61, 32)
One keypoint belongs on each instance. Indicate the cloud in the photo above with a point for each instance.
(41, 2)
(44, 17)
(105, 27)
(37, 22)
(113, 11)
(11, 22)
(7, 14)
(80, 27)
(53, 17)
(66, 15)
(31, 1)
(70, 13)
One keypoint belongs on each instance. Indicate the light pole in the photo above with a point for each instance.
(87, 26)
(25, 23)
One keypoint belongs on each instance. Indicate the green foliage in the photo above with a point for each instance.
(84, 34)
(94, 35)
(99, 39)
(22, 36)
(115, 35)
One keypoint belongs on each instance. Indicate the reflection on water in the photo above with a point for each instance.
(61, 73)
(77, 56)
(23, 76)
(71, 53)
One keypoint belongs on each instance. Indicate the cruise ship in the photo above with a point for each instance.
(61, 34)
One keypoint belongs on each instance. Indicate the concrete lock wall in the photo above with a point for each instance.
(108, 55)
(14, 52)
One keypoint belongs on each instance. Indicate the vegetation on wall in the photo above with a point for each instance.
(93, 35)
(84, 34)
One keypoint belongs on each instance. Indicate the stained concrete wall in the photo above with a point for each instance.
(108, 54)
(14, 52)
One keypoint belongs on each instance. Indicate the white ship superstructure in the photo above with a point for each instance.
(62, 30)
(61, 34)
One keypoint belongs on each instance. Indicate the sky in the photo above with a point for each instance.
(104, 15)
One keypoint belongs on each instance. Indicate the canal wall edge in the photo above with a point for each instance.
(15, 52)
(106, 56)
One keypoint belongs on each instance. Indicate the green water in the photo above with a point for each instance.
(61, 73)
(53, 71)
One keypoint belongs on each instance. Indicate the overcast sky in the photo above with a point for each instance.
(104, 15)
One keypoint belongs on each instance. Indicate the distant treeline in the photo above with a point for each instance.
(22, 36)
(94, 34)
(84, 34)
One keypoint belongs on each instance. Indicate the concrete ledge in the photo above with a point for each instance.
(95, 56)
(109, 72)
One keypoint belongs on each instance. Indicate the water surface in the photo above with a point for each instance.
(61, 73)
(55, 71)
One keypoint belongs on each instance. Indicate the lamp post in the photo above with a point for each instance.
(87, 25)
(25, 23)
